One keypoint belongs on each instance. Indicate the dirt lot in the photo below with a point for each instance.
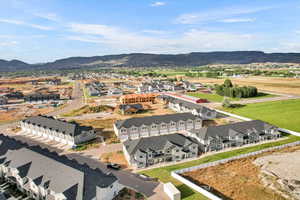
(105, 124)
(115, 157)
(239, 179)
(274, 84)
(21, 112)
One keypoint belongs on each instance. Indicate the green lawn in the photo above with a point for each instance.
(218, 98)
(164, 173)
(285, 114)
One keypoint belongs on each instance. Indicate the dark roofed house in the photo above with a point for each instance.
(41, 97)
(135, 128)
(42, 174)
(145, 152)
(58, 130)
(130, 108)
(215, 138)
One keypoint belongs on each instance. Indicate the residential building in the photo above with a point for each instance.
(3, 100)
(15, 95)
(134, 128)
(144, 152)
(115, 91)
(41, 97)
(214, 138)
(137, 98)
(181, 105)
(54, 81)
(45, 175)
(130, 108)
(57, 130)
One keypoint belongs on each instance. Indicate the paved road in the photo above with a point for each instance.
(77, 101)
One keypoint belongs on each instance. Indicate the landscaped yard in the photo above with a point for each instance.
(218, 98)
(285, 114)
(164, 173)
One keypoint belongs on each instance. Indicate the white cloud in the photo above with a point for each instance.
(156, 32)
(8, 43)
(48, 16)
(158, 3)
(22, 23)
(192, 40)
(216, 15)
(237, 20)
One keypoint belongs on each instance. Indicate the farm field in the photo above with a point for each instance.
(218, 98)
(285, 114)
(274, 84)
(164, 173)
(227, 178)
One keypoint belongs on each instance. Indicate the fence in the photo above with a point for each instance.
(176, 174)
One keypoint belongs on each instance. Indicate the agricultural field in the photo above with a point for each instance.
(218, 98)
(285, 114)
(274, 84)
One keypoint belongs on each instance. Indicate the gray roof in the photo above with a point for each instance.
(190, 105)
(224, 131)
(157, 143)
(64, 127)
(48, 169)
(157, 119)
(128, 106)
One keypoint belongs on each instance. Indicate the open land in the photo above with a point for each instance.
(228, 178)
(274, 84)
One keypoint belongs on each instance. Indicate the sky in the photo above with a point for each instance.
(45, 30)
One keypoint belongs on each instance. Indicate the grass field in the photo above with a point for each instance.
(218, 98)
(285, 114)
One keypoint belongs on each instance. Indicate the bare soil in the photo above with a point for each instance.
(239, 179)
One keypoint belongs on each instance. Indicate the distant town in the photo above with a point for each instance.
(121, 133)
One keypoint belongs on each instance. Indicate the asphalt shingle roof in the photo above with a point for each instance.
(157, 119)
(74, 180)
(157, 143)
(64, 127)
(231, 129)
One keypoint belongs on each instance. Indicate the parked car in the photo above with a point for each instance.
(113, 166)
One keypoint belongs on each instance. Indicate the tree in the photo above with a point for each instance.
(228, 83)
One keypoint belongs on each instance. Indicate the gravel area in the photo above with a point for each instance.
(281, 172)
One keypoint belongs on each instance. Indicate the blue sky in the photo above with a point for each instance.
(45, 30)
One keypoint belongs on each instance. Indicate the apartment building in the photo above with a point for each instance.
(214, 138)
(145, 152)
(57, 130)
(134, 128)
(44, 175)
(137, 98)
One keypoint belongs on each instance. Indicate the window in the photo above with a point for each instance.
(141, 156)
(154, 127)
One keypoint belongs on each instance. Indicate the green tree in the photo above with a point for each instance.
(228, 83)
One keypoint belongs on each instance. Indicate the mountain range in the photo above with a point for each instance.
(150, 60)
